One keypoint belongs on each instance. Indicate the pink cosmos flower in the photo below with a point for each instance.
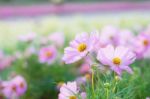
(118, 58)
(109, 35)
(83, 79)
(57, 38)
(27, 37)
(85, 68)
(14, 88)
(47, 54)
(97, 41)
(141, 44)
(68, 91)
(124, 37)
(5, 61)
(83, 95)
(79, 48)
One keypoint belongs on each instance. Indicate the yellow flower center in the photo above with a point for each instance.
(145, 42)
(72, 97)
(82, 47)
(48, 54)
(117, 61)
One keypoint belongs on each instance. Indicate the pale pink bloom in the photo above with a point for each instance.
(47, 54)
(147, 54)
(109, 35)
(85, 68)
(5, 61)
(68, 91)
(81, 80)
(125, 37)
(118, 58)
(141, 44)
(79, 48)
(14, 88)
(57, 38)
(83, 95)
(27, 37)
(97, 42)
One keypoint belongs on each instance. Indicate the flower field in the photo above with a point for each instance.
(75, 57)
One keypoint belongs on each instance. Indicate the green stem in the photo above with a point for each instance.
(107, 96)
(115, 83)
(93, 82)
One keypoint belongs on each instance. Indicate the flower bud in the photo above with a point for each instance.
(107, 85)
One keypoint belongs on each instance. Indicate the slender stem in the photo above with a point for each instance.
(107, 97)
(115, 83)
(93, 82)
(114, 87)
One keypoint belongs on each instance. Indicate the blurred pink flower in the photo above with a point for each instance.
(109, 35)
(83, 79)
(47, 54)
(83, 95)
(124, 37)
(97, 42)
(57, 38)
(79, 48)
(118, 58)
(141, 44)
(27, 37)
(14, 88)
(5, 61)
(68, 91)
(85, 68)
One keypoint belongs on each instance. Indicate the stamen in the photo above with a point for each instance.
(117, 61)
(48, 54)
(145, 42)
(82, 47)
(21, 85)
(72, 97)
(14, 88)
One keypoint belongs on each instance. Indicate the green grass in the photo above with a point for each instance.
(136, 86)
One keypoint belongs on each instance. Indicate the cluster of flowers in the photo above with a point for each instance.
(46, 52)
(48, 46)
(113, 48)
(13, 88)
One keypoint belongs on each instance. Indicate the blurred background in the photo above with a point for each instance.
(22, 16)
